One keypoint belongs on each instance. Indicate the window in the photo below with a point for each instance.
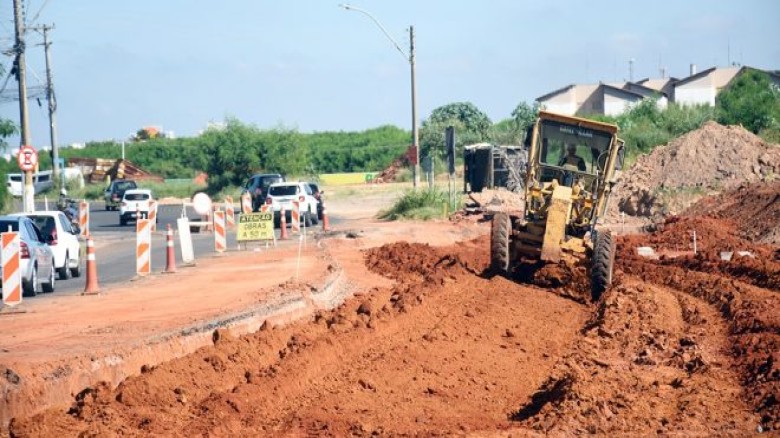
(45, 223)
(283, 190)
(65, 223)
(136, 196)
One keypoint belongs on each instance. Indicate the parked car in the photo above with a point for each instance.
(134, 202)
(317, 193)
(257, 187)
(283, 194)
(36, 257)
(115, 191)
(63, 240)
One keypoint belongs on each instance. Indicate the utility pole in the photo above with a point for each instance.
(415, 130)
(52, 107)
(24, 124)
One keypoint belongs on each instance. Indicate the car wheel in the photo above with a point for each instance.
(76, 271)
(313, 218)
(64, 271)
(48, 287)
(108, 207)
(122, 221)
(307, 220)
(31, 288)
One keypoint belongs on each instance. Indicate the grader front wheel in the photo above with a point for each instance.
(602, 264)
(501, 229)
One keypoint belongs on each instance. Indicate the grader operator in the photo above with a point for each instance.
(572, 165)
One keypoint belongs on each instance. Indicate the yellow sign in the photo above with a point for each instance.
(255, 226)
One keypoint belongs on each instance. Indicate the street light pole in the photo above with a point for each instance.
(410, 60)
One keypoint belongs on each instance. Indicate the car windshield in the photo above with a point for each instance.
(283, 190)
(124, 185)
(45, 223)
(4, 224)
(136, 196)
(572, 147)
(267, 181)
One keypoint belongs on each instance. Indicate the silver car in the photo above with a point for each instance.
(36, 258)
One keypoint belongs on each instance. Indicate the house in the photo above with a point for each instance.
(604, 99)
(702, 88)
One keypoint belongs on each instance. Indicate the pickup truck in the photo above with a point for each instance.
(115, 191)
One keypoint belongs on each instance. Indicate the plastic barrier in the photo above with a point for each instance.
(283, 224)
(220, 237)
(91, 288)
(143, 247)
(295, 217)
(153, 214)
(246, 203)
(325, 220)
(12, 272)
(170, 255)
(84, 218)
(230, 213)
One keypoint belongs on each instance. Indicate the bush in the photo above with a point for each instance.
(422, 204)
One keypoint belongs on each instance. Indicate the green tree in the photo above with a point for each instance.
(471, 126)
(524, 115)
(752, 101)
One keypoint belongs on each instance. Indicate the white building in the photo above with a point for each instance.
(604, 99)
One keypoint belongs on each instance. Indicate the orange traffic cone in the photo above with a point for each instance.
(325, 221)
(283, 222)
(91, 287)
(170, 266)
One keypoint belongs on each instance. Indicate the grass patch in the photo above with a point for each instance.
(422, 204)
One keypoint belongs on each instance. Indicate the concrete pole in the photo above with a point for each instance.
(415, 130)
(24, 124)
(52, 108)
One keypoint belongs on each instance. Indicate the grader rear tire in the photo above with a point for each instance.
(602, 264)
(501, 229)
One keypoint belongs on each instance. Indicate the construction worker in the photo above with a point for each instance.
(571, 160)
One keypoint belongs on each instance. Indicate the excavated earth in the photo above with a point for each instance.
(682, 344)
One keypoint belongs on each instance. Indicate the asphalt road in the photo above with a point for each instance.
(115, 246)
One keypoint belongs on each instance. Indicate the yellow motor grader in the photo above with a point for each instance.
(572, 165)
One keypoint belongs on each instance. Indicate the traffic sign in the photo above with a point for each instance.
(255, 226)
(27, 158)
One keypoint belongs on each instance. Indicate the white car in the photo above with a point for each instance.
(134, 202)
(36, 259)
(63, 239)
(283, 194)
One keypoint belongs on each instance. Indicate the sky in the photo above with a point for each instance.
(313, 66)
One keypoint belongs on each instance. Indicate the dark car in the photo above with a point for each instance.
(317, 193)
(257, 187)
(115, 191)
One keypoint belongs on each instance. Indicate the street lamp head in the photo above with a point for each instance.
(345, 6)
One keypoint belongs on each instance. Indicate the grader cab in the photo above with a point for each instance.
(572, 165)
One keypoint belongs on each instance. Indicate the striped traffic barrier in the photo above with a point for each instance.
(325, 221)
(283, 224)
(143, 247)
(170, 265)
(220, 239)
(12, 272)
(84, 218)
(91, 288)
(230, 213)
(246, 203)
(152, 215)
(295, 217)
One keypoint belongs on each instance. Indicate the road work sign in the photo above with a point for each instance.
(255, 226)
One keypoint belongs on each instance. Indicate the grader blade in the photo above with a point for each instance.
(557, 218)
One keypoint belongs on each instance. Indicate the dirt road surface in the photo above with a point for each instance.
(428, 342)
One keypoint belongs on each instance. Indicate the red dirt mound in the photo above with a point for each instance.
(420, 358)
(415, 262)
(650, 361)
(713, 157)
(745, 290)
(754, 208)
